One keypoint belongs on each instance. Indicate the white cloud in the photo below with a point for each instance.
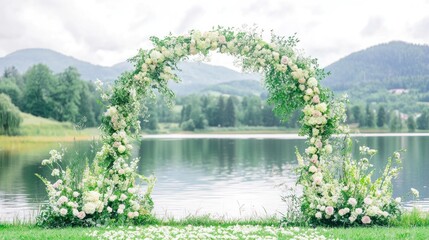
(107, 32)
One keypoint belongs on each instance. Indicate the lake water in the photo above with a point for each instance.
(221, 175)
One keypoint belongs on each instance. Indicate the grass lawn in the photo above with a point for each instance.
(213, 232)
(412, 225)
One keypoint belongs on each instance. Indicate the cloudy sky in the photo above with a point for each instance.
(106, 32)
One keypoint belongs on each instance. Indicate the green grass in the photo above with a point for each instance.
(412, 225)
(38, 126)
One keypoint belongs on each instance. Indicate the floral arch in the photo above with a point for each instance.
(108, 191)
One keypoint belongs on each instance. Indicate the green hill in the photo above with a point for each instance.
(237, 88)
(392, 65)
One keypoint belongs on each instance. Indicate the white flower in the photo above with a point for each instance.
(352, 219)
(131, 190)
(367, 201)
(75, 212)
(121, 206)
(109, 209)
(76, 194)
(90, 207)
(318, 215)
(123, 197)
(55, 172)
(111, 111)
(63, 211)
(398, 200)
(120, 211)
(358, 211)
(130, 214)
(46, 162)
(81, 215)
(315, 131)
(121, 171)
(91, 196)
(309, 91)
(343, 211)
(312, 169)
(121, 149)
(312, 82)
(322, 107)
(311, 150)
(329, 210)
(328, 149)
(415, 192)
(366, 220)
(352, 201)
(112, 198)
(285, 60)
(62, 199)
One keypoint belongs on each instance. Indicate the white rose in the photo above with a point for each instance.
(312, 169)
(352, 201)
(121, 149)
(120, 211)
(367, 201)
(358, 211)
(318, 215)
(76, 194)
(123, 197)
(109, 209)
(89, 208)
(112, 198)
(312, 82)
(63, 211)
(75, 212)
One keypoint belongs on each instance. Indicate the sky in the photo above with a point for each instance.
(106, 32)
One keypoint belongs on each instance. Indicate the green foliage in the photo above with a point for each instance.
(411, 124)
(423, 120)
(10, 118)
(381, 117)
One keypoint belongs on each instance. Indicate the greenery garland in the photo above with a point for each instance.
(108, 191)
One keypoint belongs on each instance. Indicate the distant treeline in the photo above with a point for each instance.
(63, 96)
(202, 111)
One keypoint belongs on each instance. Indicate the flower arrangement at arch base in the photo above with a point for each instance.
(345, 194)
(92, 198)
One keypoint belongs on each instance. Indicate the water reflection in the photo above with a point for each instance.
(221, 177)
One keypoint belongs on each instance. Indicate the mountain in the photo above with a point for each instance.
(57, 62)
(237, 88)
(387, 64)
(195, 76)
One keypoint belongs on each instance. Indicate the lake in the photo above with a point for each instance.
(233, 176)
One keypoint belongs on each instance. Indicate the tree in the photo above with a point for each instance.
(230, 117)
(423, 121)
(381, 117)
(220, 109)
(150, 120)
(10, 118)
(357, 115)
(9, 87)
(411, 124)
(370, 117)
(39, 84)
(86, 106)
(66, 96)
(395, 122)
